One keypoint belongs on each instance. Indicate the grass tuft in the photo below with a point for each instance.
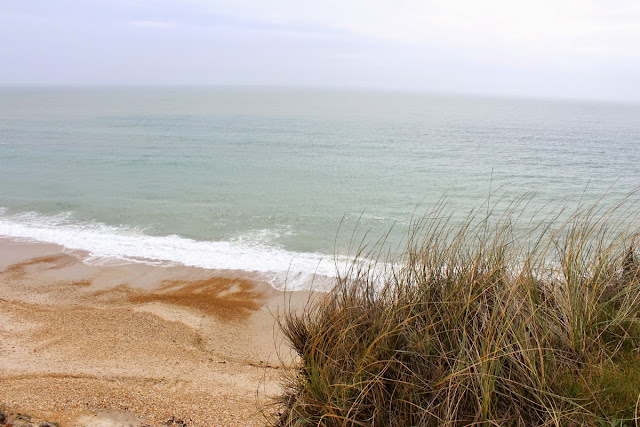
(495, 320)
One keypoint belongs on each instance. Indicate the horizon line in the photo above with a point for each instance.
(338, 88)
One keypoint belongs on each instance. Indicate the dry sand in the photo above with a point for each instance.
(135, 344)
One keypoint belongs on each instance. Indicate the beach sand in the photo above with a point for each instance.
(135, 344)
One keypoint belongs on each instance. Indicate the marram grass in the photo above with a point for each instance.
(495, 320)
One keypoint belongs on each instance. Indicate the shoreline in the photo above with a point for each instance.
(285, 269)
(99, 342)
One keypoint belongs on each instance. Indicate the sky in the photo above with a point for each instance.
(588, 49)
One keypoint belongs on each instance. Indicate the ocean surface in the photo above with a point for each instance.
(276, 180)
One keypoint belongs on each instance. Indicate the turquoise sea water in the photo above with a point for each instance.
(261, 179)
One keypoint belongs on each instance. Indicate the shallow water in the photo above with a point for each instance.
(274, 179)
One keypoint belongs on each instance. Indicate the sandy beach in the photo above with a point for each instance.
(135, 344)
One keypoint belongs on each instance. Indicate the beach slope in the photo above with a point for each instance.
(88, 344)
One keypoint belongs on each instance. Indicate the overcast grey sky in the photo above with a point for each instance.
(559, 48)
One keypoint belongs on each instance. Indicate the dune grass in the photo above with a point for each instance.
(496, 320)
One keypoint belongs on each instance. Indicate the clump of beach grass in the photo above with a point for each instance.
(494, 320)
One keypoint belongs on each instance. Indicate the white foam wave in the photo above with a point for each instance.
(295, 270)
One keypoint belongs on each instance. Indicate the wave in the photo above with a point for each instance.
(284, 268)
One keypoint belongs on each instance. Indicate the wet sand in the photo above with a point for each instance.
(136, 344)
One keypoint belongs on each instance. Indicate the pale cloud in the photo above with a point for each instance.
(576, 48)
(558, 25)
(150, 24)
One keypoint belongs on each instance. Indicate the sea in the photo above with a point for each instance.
(287, 182)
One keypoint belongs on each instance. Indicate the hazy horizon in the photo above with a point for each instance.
(564, 49)
(319, 88)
